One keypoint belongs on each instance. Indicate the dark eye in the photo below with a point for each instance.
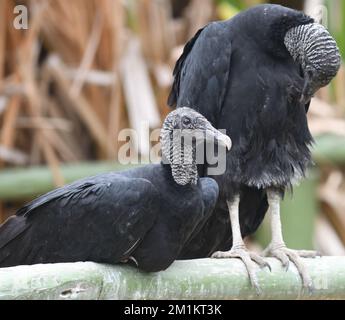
(186, 121)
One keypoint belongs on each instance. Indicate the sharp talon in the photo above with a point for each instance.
(265, 264)
(249, 260)
(215, 255)
(308, 289)
(131, 258)
(311, 288)
(255, 284)
(268, 266)
(258, 290)
(286, 255)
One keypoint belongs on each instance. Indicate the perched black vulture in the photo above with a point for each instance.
(143, 215)
(254, 75)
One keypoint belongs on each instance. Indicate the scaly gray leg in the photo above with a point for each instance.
(277, 247)
(239, 249)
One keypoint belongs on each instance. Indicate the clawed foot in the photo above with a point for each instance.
(249, 259)
(286, 255)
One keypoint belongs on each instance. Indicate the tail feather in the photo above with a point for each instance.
(12, 229)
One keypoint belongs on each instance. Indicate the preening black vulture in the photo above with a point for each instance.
(254, 75)
(143, 215)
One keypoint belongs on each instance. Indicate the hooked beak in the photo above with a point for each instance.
(213, 135)
(312, 46)
(306, 94)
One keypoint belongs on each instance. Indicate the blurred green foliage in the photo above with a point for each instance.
(336, 22)
(228, 8)
(233, 3)
(240, 4)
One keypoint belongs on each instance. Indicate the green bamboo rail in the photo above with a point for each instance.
(27, 183)
(193, 279)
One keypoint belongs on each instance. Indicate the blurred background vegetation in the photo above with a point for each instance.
(86, 69)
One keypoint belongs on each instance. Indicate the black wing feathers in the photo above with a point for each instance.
(97, 219)
(201, 76)
(172, 99)
(13, 227)
(66, 191)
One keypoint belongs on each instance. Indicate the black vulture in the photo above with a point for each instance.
(254, 75)
(143, 215)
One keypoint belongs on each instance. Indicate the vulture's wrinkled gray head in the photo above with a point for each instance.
(316, 51)
(182, 130)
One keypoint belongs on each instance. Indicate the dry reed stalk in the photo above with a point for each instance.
(333, 202)
(35, 150)
(66, 29)
(139, 95)
(7, 137)
(114, 125)
(8, 133)
(340, 90)
(108, 58)
(2, 66)
(79, 104)
(68, 140)
(326, 239)
(3, 20)
(153, 29)
(179, 29)
(67, 143)
(89, 55)
(53, 162)
(100, 49)
(331, 209)
(156, 30)
(50, 123)
(199, 13)
(13, 156)
(27, 68)
(48, 128)
(58, 144)
(116, 19)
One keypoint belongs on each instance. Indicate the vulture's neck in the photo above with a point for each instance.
(183, 167)
(181, 160)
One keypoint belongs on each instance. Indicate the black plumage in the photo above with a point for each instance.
(239, 75)
(254, 75)
(75, 222)
(228, 74)
(215, 233)
(141, 215)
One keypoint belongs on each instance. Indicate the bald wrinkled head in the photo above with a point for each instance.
(286, 32)
(316, 51)
(182, 129)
